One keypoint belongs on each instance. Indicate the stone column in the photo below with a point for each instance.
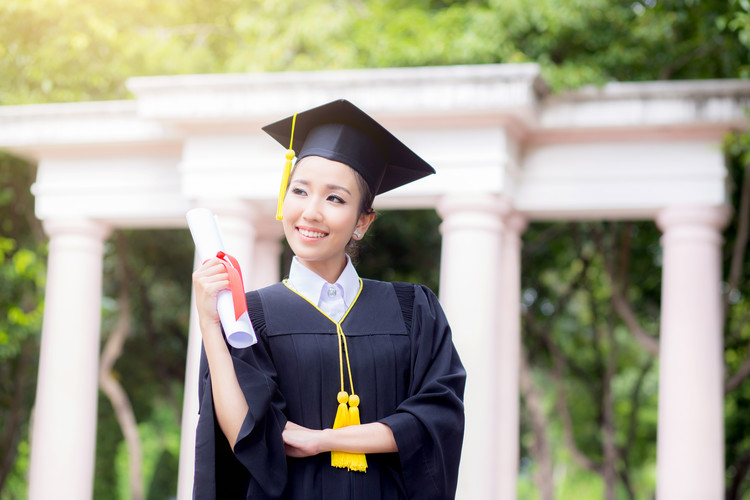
(63, 438)
(509, 353)
(238, 232)
(470, 291)
(267, 256)
(690, 448)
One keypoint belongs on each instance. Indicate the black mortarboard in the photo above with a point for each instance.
(342, 132)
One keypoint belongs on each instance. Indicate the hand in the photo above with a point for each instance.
(208, 280)
(300, 441)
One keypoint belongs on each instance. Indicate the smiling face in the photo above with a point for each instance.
(321, 211)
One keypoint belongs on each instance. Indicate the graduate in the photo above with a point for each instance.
(354, 389)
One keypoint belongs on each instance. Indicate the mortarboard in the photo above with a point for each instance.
(342, 132)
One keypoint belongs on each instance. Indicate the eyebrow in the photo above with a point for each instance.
(334, 187)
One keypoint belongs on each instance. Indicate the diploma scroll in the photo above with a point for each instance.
(207, 237)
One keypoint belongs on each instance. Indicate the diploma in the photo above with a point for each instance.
(232, 310)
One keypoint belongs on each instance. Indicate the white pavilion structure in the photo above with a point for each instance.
(507, 152)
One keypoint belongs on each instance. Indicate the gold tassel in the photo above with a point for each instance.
(287, 170)
(339, 458)
(284, 183)
(342, 415)
(357, 461)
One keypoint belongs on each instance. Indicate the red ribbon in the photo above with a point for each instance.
(235, 283)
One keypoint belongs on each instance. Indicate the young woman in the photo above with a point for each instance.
(354, 389)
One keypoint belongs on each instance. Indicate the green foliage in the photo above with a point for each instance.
(16, 487)
(403, 246)
(59, 50)
(574, 338)
(161, 452)
(21, 281)
(22, 275)
(737, 324)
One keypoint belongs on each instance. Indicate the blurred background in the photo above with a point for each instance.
(590, 380)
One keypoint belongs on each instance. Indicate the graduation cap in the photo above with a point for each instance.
(342, 132)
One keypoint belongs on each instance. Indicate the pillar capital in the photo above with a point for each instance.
(483, 212)
(711, 217)
(80, 227)
(480, 202)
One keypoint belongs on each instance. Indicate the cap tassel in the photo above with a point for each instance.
(344, 418)
(287, 171)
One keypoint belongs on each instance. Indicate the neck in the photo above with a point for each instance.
(328, 270)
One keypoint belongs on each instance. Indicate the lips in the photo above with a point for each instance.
(311, 233)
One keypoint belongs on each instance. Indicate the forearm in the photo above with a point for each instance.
(367, 438)
(229, 401)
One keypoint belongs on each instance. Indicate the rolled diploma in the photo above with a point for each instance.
(208, 242)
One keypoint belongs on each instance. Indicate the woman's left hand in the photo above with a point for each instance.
(300, 441)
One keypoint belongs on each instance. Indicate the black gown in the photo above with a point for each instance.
(405, 370)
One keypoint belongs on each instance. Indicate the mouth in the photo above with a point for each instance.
(310, 233)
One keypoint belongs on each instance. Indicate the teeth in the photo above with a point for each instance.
(311, 234)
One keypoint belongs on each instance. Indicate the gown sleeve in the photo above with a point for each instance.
(257, 467)
(428, 425)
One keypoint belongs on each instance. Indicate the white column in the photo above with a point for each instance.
(267, 256)
(690, 448)
(238, 233)
(469, 291)
(63, 440)
(509, 352)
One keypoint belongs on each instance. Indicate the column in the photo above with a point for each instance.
(236, 221)
(63, 439)
(470, 291)
(267, 255)
(690, 446)
(509, 353)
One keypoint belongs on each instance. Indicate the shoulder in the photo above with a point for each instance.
(409, 297)
(256, 300)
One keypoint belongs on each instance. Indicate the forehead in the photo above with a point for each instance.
(319, 169)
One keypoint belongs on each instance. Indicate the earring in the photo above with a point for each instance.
(357, 234)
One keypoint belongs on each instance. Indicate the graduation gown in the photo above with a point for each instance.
(405, 370)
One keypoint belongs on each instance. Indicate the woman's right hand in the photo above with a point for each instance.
(208, 280)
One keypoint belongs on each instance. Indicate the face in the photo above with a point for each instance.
(321, 212)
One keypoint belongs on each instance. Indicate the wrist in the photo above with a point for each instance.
(327, 440)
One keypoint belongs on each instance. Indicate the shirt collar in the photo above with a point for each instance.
(308, 284)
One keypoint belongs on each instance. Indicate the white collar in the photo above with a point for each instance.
(310, 285)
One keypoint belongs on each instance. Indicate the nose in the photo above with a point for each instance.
(312, 210)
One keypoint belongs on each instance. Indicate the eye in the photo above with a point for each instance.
(336, 198)
(298, 191)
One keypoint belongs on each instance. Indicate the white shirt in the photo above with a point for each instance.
(334, 299)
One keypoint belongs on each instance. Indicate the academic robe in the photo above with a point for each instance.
(405, 370)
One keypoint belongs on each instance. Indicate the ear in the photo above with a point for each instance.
(363, 224)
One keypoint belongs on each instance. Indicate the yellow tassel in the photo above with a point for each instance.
(357, 461)
(342, 415)
(287, 170)
(339, 458)
(284, 184)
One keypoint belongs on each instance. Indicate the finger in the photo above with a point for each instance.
(209, 270)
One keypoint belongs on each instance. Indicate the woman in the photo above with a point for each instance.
(354, 389)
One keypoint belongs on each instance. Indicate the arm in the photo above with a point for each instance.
(367, 438)
(229, 401)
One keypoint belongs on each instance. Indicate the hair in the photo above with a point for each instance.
(365, 207)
